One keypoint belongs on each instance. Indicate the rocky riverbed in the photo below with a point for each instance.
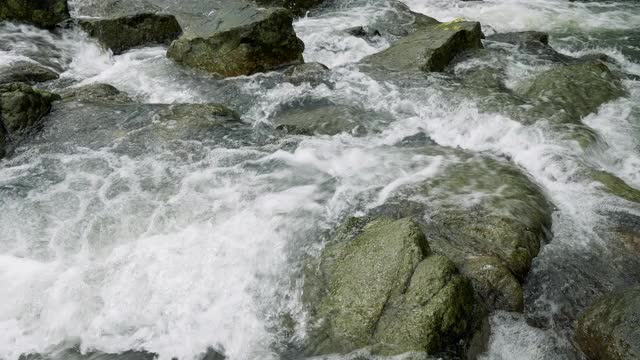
(338, 179)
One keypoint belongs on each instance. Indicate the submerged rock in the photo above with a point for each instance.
(429, 49)
(42, 13)
(242, 40)
(615, 186)
(26, 72)
(610, 328)
(297, 7)
(21, 107)
(574, 90)
(521, 37)
(104, 93)
(384, 289)
(327, 119)
(494, 283)
(124, 33)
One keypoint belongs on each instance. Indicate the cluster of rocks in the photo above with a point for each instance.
(409, 276)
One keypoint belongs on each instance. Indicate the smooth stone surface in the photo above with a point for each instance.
(429, 49)
(104, 93)
(26, 72)
(240, 40)
(124, 33)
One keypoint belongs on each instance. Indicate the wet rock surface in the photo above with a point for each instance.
(610, 328)
(103, 93)
(241, 40)
(385, 289)
(123, 33)
(26, 72)
(42, 13)
(428, 49)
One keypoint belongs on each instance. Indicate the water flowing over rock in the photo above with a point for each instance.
(43, 13)
(298, 7)
(429, 49)
(26, 72)
(124, 33)
(610, 328)
(574, 90)
(242, 40)
(102, 93)
(385, 289)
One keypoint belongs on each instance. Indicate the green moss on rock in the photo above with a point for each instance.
(42, 13)
(124, 33)
(242, 40)
(610, 328)
(384, 290)
(431, 48)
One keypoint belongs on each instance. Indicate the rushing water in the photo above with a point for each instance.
(173, 249)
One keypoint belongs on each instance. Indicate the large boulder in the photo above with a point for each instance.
(26, 72)
(610, 328)
(42, 13)
(482, 213)
(574, 91)
(103, 93)
(242, 40)
(431, 48)
(378, 285)
(21, 107)
(123, 33)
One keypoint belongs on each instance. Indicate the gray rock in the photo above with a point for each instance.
(241, 40)
(574, 90)
(124, 33)
(297, 7)
(21, 107)
(43, 13)
(326, 119)
(103, 93)
(26, 72)
(610, 328)
(384, 289)
(429, 49)
(521, 37)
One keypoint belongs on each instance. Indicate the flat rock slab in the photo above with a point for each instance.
(429, 49)
(241, 40)
(26, 72)
(127, 32)
(42, 13)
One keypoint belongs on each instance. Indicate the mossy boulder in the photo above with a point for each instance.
(103, 93)
(614, 185)
(610, 328)
(21, 107)
(494, 283)
(478, 209)
(385, 290)
(123, 33)
(575, 90)
(431, 48)
(42, 13)
(26, 72)
(297, 7)
(241, 40)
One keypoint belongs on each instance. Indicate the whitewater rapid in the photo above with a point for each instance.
(173, 254)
